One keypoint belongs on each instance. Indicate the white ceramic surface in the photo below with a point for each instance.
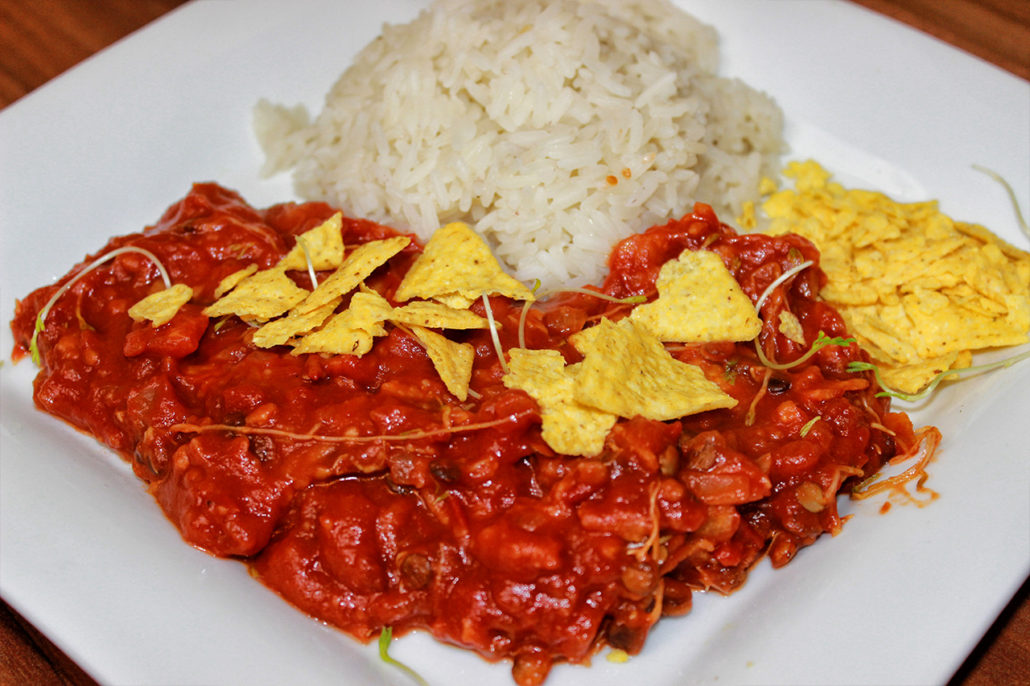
(87, 556)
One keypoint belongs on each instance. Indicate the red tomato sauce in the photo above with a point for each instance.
(423, 512)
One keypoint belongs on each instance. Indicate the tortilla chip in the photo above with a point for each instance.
(912, 378)
(352, 331)
(160, 307)
(698, 301)
(324, 244)
(568, 426)
(452, 361)
(356, 267)
(261, 296)
(437, 316)
(985, 236)
(915, 287)
(747, 220)
(767, 186)
(230, 282)
(295, 323)
(455, 301)
(883, 328)
(626, 371)
(941, 327)
(790, 326)
(456, 261)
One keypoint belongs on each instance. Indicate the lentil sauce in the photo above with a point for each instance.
(365, 494)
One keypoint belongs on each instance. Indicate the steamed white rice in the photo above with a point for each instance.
(554, 127)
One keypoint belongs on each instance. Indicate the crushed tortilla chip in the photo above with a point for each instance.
(324, 244)
(628, 372)
(767, 186)
(160, 307)
(747, 220)
(356, 267)
(790, 326)
(295, 323)
(911, 378)
(452, 360)
(261, 296)
(230, 282)
(941, 325)
(568, 426)
(352, 331)
(457, 265)
(917, 289)
(437, 316)
(698, 301)
(618, 656)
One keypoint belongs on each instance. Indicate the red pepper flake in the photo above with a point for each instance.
(611, 180)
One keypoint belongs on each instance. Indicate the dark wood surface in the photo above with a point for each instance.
(40, 39)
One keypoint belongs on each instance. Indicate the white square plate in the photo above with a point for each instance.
(103, 150)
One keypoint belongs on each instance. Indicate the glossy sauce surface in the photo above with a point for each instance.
(366, 494)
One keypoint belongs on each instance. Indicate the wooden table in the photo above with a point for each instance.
(39, 39)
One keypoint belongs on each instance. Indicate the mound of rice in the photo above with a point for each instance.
(554, 127)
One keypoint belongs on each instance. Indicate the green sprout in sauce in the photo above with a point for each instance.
(730, 370)
(808, 425)
(385, 636)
